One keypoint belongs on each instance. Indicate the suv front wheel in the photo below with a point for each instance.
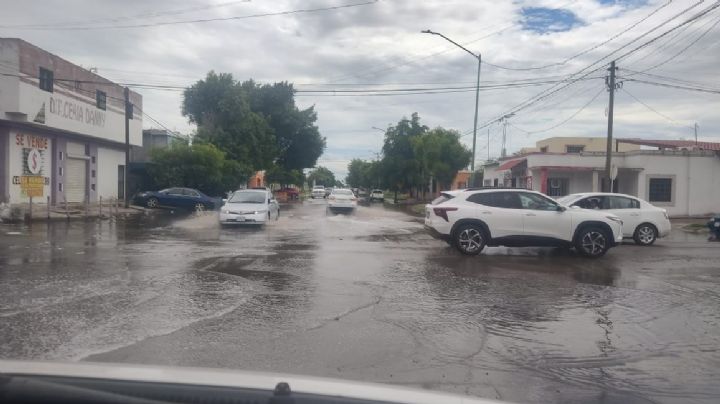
(469, 239)
(592, 242)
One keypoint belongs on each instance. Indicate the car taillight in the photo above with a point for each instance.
(442, 212)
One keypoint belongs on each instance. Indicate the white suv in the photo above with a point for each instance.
(471, 219)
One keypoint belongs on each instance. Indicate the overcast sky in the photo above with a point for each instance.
(380, 46)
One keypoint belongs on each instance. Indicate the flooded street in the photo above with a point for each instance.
(367, 296)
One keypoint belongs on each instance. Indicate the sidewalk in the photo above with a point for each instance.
(40, 212)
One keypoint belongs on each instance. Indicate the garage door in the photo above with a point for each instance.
(75, 180)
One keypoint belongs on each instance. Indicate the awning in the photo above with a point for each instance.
(510, 164)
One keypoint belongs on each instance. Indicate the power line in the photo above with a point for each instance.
(564, 121)
(652, 83)
(667, 78)
(132, 17)
(156, 24)
(570, 81)
(588, 50)
(654, 110)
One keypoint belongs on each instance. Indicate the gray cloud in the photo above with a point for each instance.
(381, 43)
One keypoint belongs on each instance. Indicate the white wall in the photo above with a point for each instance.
(9, 61)
(696, 188)
(108, 161)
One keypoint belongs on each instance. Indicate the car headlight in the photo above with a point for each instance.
(225, 212)
(257, 212)
(615, 219)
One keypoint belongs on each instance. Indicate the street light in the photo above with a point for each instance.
(477, 95)
(383, 131)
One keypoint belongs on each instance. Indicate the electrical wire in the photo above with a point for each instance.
(588, 50)
(132, 17)
(566, 120)
(196, 21)
(652, 83)
(654, 110)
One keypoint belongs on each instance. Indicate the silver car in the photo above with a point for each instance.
(250, 206)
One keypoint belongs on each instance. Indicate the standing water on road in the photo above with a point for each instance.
(367, 296)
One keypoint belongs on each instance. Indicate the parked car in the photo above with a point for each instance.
(341, 198)
(250, 206)
(183, 198)
(292, 193)
(642, 221)
(377, 195)
(474, 218)
(318, 191)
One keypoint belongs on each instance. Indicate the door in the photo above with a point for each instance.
(542, 219)
(627, 209)
(191, 198)
(500, 211)
(172, 197)
(75, 180)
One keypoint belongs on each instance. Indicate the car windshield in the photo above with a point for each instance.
(247, 197)
(507, 200)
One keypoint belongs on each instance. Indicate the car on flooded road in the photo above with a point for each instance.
(342, 199)
(183, 198)
(642, 221)
(474, 218)
(249, 207)
(318, 191)
(377, 195)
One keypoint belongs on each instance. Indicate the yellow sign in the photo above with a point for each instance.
(32, 185)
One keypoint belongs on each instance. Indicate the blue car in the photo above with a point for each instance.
(183, 198)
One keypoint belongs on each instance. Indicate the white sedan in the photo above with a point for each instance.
(341, 198)
(642, 221)
(250, 206)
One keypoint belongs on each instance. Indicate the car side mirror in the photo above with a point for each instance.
(224, 201)
(560, 208)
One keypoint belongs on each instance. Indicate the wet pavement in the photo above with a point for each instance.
(367, 296)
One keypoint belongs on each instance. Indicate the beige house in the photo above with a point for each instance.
(575, 145)
(681, 176)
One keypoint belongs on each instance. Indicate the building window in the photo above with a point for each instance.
(574, 148)
(660, 190)
(92, 159)
(46, 80)
(558, 186)
(100, 99)
(60, 171)
(60, 156)
(92, 173)
(60, 187)
(544, 149)
(92, 187)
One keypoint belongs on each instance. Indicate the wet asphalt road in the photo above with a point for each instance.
(368, 296)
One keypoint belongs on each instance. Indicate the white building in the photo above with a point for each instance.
(680, 176)
(62, 129)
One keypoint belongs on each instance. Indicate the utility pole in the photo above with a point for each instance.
(696, 129)
(488, 147)
(477, 56)
(504, 119)
(128, 114)
(608, 158)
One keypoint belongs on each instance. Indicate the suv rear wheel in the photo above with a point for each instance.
(592, 242)
(645, 234)
(470, 239)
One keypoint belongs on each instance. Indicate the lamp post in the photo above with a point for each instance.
(477, 56)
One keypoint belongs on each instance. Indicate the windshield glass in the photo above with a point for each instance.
(372, 190)
(247, 197)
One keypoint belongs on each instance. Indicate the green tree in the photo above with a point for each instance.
(322, 176)
(200, 166)
(440, 155)
(284, 177)
(298, 141)
(399, 168)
